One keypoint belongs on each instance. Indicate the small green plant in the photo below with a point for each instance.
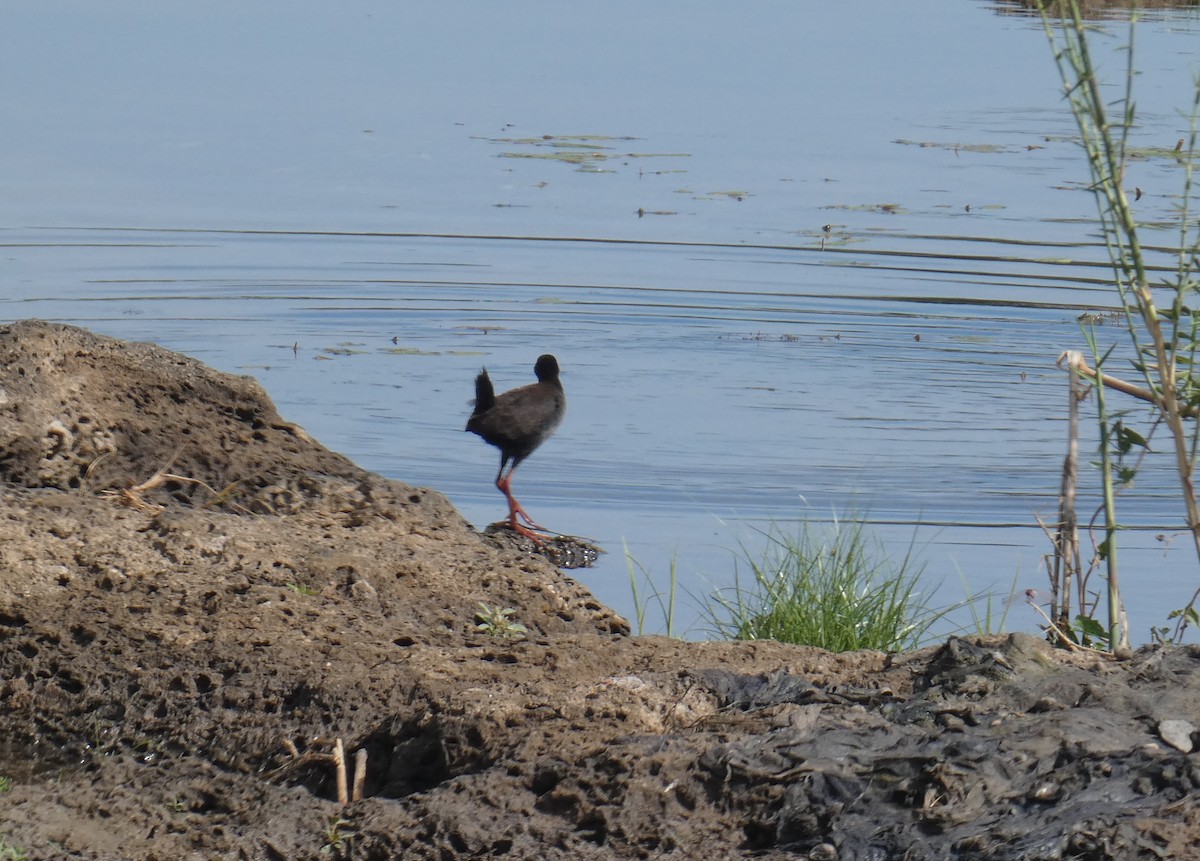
(337, 844)
(301, 589)
(1165, 634)
(11, 852)
(5, 783)
(498, 623)
(838, 591)
(666, 603)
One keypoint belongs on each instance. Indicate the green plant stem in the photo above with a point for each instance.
(640, 603)
(639, 607)
(1110, 514)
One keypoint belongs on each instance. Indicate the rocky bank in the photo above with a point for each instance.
(198, 601)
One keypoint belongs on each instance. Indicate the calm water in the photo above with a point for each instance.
(794, 260)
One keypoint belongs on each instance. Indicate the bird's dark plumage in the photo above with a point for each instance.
(517, 422)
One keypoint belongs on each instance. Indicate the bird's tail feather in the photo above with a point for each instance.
(485, 395)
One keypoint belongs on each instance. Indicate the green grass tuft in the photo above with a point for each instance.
(665, 601)
(838, 590)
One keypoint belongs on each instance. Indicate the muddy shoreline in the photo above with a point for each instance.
(194, 595)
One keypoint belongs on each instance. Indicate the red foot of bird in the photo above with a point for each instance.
(516, 514)
(538, 538)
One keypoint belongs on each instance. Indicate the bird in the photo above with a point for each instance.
(517, 422)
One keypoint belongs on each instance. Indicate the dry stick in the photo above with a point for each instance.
(1053, 627)
(132, 496)
(1066, 542)
(337, 759)
(339, 763)
(1128, 388)
(1066, 641)
(360, 774)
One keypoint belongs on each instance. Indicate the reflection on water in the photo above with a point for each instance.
(843, 293)
(1093, 10)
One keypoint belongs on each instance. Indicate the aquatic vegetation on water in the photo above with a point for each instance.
(589, 153)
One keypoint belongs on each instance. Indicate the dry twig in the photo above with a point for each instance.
(134, 497)
(1128, 388)
(335, 757)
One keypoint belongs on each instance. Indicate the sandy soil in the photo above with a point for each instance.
(198, 601)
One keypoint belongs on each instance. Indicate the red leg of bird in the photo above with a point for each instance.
(515, 510)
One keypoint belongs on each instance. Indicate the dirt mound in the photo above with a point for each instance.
(197, 601)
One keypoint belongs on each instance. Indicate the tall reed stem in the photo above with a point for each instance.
(1156, 347)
